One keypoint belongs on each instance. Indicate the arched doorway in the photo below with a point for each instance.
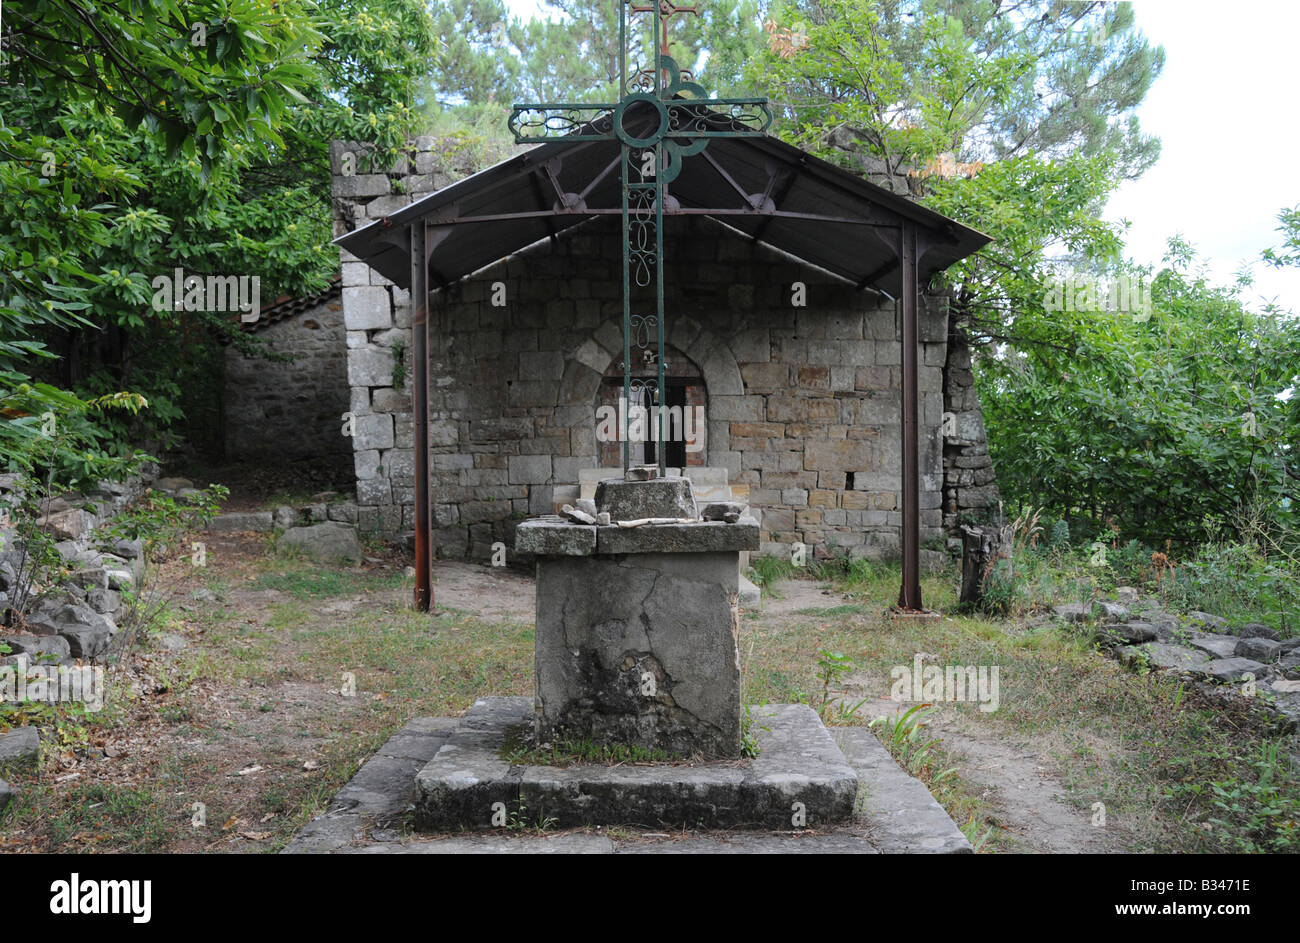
(685, 398)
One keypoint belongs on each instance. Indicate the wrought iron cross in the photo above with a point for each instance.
(662, 117)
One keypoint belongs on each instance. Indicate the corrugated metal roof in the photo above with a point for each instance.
(796, 202)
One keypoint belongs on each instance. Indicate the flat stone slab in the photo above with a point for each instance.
(658, 497)
(1129, 633)
(379, 793)
(556, 537)
(1229, 670)
(698, 537)
(901, 816)
(1216, 646)
(799, 778)
(1169, 657)
(894, 813)
(585, 843)
(577, 843)
(20, 745)
(258, 521)
(1257, 648)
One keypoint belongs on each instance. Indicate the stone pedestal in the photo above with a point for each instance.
(638, 627)
(637, 645)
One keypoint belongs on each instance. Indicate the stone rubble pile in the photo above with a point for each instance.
(74, 621)
(1203, 646)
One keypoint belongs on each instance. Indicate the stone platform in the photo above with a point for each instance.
(894, 814)
(799, 777)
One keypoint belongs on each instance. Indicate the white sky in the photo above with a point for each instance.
(1226, 114)
(1225, 110)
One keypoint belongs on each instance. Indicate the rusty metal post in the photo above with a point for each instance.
(909, 596)
(420, 417)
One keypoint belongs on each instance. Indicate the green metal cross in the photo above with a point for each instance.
(662, 118)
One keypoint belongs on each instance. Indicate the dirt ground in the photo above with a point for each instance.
(236, 729)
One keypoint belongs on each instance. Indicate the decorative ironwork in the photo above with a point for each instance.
(663, 117)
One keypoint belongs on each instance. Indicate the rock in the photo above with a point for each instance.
(1214, 645)
(642, 473)
(554, 536)
(1166, 623)
(68, 549)
(36, 645)
(106, 601)
(72, 524)
(314, 513)
(750, 597)
(88, 633)
(637, 500)
(1260, 649)
(284, 517)
(1169, 657)
(20, 745)
(1071, 612)
(95, 577)
(324, 497)
(120, 580)
(172, 485)
(1289, 645)
(728, 511)
(1131, 633)
(172, 643)
(1109, 611)
(1256, 630)
(203, 595)
(329, 542)
(587, 506)
(603, 519)
(128, 549)
(1127, 596)
(256, 521)
(345, 513)
(1229, 670)
(1207, 620)
(6, 794)
(578, 517)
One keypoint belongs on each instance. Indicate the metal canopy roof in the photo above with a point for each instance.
(769, 190)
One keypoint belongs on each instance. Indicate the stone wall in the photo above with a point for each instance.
(802, 403)
(277, 411)
(970, 490)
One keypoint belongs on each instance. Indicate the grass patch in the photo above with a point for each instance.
(309, 583)
(520, 751)
(97, 817)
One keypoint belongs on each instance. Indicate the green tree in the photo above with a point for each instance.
(151, 136)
